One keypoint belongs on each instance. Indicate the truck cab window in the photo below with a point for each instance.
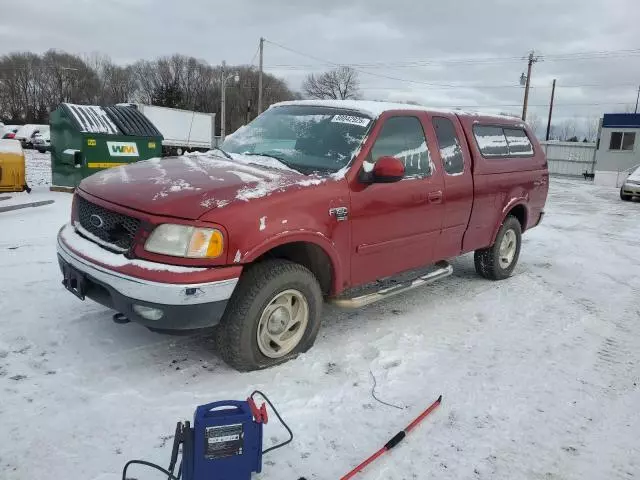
(519, 143)
(449, 145)
(491, 141)
(404, 139)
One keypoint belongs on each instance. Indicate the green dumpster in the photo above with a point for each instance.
(89, 138)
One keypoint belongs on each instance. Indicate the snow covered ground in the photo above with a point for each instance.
(539, 374)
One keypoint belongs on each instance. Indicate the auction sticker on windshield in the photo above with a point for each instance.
(351, 120)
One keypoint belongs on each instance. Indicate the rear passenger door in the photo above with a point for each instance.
(458, 184)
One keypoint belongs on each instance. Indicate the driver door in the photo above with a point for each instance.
(396, 226)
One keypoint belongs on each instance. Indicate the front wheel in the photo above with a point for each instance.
(273, 315)
(626, 198)
(498, 261)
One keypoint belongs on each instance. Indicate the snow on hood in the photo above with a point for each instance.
(635, 175)
(189, 186)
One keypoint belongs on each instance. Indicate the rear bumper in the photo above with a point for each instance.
(184, 306)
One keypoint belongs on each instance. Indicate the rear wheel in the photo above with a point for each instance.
(624, 197)
(498, 261)
(273, 315)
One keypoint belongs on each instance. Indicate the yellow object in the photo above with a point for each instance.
(216, 244)
(152, 145)
(105, 164)
(12, 167)
(91, 142)
(205, 242)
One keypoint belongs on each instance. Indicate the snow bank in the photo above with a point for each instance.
(10, 146)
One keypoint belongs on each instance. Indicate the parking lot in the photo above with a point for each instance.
(539, 373)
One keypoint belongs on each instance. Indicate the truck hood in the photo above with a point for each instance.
(191, 185)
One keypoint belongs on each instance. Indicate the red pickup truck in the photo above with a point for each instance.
(348, 201)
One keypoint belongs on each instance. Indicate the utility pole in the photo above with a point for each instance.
(223, 98)
(532, 59)
(553, 93)
(260, 77)
(637, 98)
(223, 101)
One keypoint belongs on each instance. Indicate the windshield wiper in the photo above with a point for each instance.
(223, 152)
(284, 162)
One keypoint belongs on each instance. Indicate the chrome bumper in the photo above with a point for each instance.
(148, 291)
(631, 189)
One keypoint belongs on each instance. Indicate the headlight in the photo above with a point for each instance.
(184, 241)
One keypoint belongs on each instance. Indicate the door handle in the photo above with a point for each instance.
(435, 197)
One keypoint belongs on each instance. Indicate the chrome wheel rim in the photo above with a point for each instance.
(282, 324)
(507, 250)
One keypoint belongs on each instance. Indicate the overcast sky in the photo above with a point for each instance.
(392, 38)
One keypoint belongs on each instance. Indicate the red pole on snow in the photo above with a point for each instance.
(395, 440)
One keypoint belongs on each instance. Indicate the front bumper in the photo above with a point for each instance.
(185, 306)
(631, 189)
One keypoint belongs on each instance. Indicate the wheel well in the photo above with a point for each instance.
(309, 255)
(520, 212)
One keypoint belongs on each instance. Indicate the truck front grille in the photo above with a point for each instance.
(112, 228)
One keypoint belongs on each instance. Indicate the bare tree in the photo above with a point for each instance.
(117, 84)
(535, 123)
(590, 127)
(567, 129)
(339, 84)
(32, 85)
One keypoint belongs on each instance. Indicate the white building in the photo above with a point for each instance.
(618, 148)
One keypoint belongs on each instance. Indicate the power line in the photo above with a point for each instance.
(537, 87)
(254, 56)
(541, 105)
(446, 85)
(604, 54)
(328, 62)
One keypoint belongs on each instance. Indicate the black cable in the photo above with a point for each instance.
(284, 424)
(373, 394)
(170, 476)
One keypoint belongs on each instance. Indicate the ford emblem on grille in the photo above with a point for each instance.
(96, 221)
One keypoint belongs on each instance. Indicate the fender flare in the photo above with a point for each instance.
(514, 202)
(318, 239)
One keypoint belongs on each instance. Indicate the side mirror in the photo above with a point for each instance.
(388, 170)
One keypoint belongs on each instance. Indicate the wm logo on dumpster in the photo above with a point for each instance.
(122, 149)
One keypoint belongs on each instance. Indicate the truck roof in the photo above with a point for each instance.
(374, 109)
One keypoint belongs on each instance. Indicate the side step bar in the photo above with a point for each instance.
(356, 302)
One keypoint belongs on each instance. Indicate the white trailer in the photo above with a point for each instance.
(183, 130)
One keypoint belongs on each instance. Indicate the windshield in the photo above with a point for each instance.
(306, 138)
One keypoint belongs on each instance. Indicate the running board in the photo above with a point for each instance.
(443, 270)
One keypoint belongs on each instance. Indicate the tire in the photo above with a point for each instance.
(263, 285)
(626, 198)
(488, 261)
